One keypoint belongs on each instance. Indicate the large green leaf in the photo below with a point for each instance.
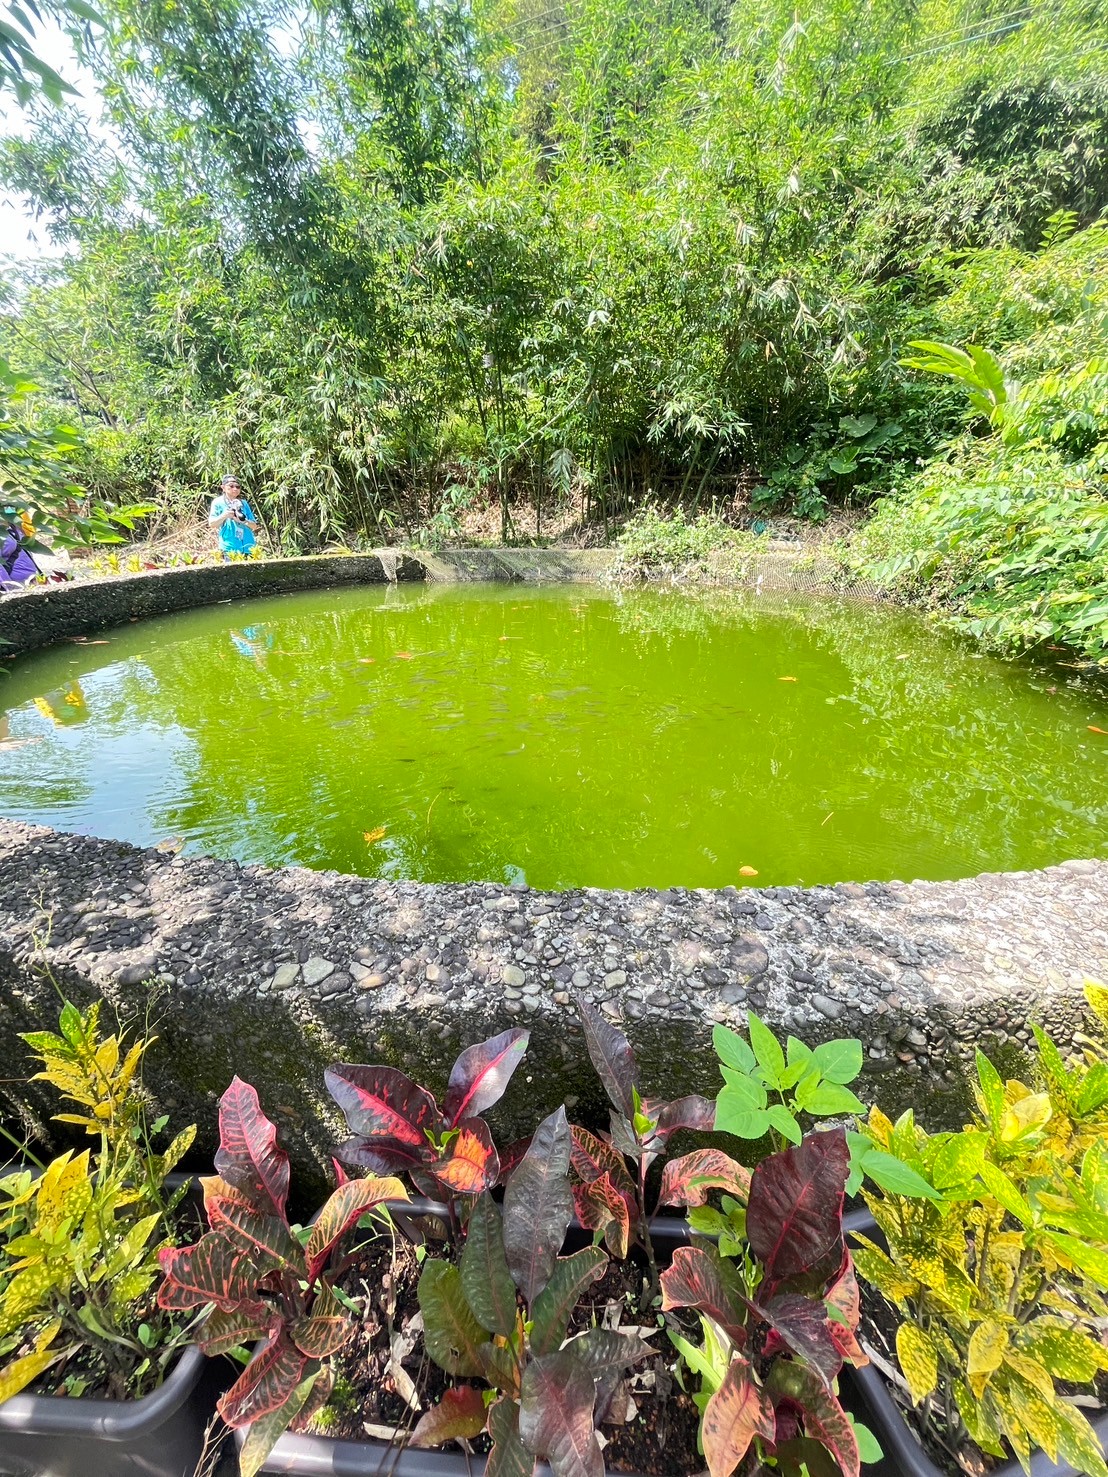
(486, 1281)
(451, 1333)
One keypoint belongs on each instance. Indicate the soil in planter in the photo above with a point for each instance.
(384, 1367)
(954, 1454)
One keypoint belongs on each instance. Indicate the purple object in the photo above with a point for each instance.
(17, 565)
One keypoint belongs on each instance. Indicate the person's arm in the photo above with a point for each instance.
(217, 520)
(248, 518)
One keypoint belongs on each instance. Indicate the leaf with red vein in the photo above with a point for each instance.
(253, 1230)
(686, 1181)
(698, 1279)
(245, 1323)
(509, 1457)
(538, 1206)
(346, 1205)
(326, 1330)
(590, 1157)
(803, 1326)
(486, 1281)
(550, 1314)
(248, 1157)
(212, 1271)
(265, 1384)
(382, 1156)
(382, 1103)
(268, 1429)
(556, 1416)
(612, 1057)
(794, 1212)
(459, 1415)
(470, 1163)
(734, 1416)
(843, 1296)
(601, 1207)
(823, 1417)
(481, 1074)
(511, 1157)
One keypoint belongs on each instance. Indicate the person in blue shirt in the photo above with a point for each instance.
(233, 516)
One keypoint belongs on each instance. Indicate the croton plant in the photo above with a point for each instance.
(262, 1281)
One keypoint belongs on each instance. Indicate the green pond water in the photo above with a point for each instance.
(561, 736)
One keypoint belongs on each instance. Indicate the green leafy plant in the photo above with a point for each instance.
(975, 368)
(80, 1241)
(544, 1396)
(1001, 1281)
(258, 1278)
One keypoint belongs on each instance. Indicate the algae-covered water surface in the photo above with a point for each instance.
(563, 736)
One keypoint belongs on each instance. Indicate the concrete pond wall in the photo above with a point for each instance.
(273, 974)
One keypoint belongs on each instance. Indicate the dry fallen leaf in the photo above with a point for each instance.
(367, 661)
(788, 679)
(404, 656)
(369, 837)
(1094, 729)
(747, 872)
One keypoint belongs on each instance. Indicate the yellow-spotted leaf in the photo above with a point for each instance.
(1097, 996)
(983, 1430)
(919, 1360)
(987, 1344)
(884, 1274)
(1077, 1442)
(1065, 1352)
(21, 1372)
(1030, 1371)
(1036, 1413)
(1027, 1115)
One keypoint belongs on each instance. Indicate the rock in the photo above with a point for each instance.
(833, 1009)
(615, 979)
(511, 974)
(749, 958)
(144, 968)
(316, 970)
(371, 981)
(285, 976)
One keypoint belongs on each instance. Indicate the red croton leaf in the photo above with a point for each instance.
(556, 1415)
(611, 1055)
(481, 1074)
(255, 1232)
(212, 1271)
(460, 1414)
(381, 1103)
(508, 1457)
(686, 1181)
(601, 1207)
(538, 1206)
(696, 1278)
(248, 1157)
(590, 1157)
(695, 1113)
(802, 1326)
(796, 1390)
(794, 1213)
(326, 1330)
(265, 1384)
(382, 1156)
(470, 1163)
(243, 1324)
(734, 1416)
(346, 1205)
(843, 1296)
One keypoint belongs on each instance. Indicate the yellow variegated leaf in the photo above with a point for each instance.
(883, 1274)
(1065, 1353)
(998, 1402)
(949, 1282)
(987, 1344)
(1077, 1442)
(107, 1057)
(131, 1248)
(919, 1361)
(21, 1372)
(1036, 1413)
(178, 1148)
(129, 1287)
(1097, 996)
(879, 1128)
(1030, 1371)
(983, 1431)
(25, 1296)
(1025, 1116)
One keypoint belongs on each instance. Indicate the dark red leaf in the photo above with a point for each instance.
(512, 1156)
(459, 1415)
(794, 1213)
(481, 1074)
(245, 1323)
(244, 1226)
(538, 1206)
(791, 1385)
(383, 1156)
(215, 1270)
(556, 1415)
(612, 1057)
(470, 1163)
(248, 1157)
(696, 1278)
(382, 1103)
(803, 1327)
(686, 1181)
(695, 1113)
(265, 1384)
(733, 1417)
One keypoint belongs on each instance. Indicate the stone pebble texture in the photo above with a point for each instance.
(274, 974)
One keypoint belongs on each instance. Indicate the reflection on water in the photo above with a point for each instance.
(563, 736)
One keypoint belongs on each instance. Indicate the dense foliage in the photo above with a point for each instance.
(386, 258)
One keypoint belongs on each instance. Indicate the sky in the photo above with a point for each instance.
(20, 235)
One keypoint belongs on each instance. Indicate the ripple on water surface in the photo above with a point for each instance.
(564, 736)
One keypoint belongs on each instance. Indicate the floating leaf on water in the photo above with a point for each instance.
(748, 872)
(370, 837)
(404, 656)
(788, 679)
(171, 843)
(1094, 729)
(367, 661)
(18, 743)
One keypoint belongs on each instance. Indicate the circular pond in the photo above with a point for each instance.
(563, 736)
